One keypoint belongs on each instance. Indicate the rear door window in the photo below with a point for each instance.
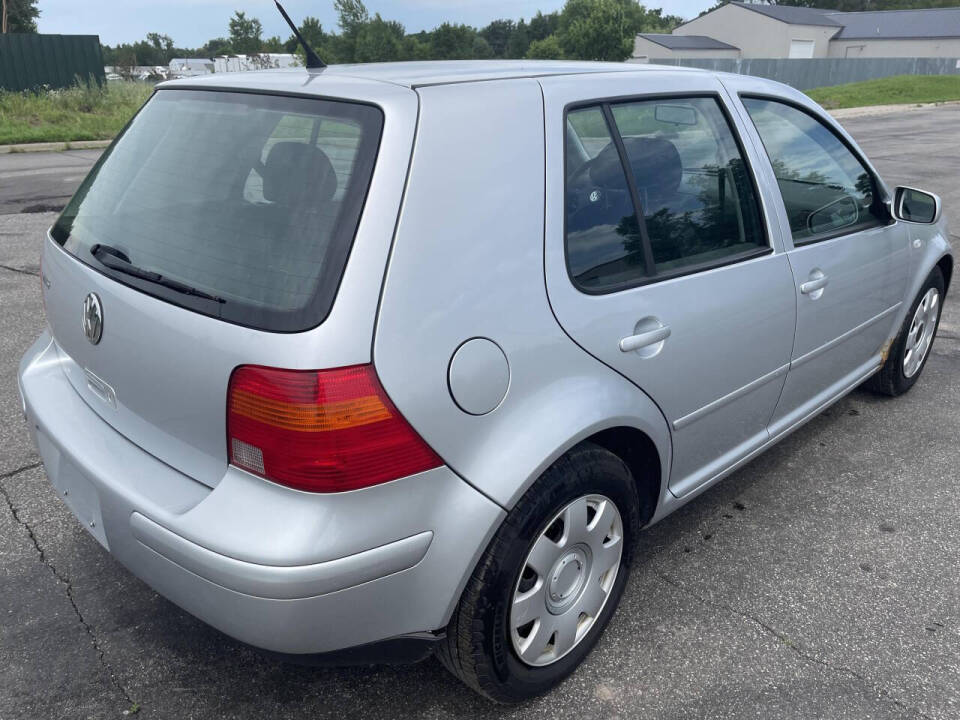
(676, 176)
(245, 204)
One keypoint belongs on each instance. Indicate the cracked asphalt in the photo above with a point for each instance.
(820, 581)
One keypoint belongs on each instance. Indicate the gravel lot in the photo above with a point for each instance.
(821, 581)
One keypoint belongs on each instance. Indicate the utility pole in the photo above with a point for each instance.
(4, 22)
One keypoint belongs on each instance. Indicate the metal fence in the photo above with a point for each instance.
(29, 61)
(804, 74)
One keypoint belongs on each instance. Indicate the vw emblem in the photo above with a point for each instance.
(92, 318)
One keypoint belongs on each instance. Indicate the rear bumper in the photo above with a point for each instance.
(280, 569)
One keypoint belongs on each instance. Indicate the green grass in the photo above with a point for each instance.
(897, 90)
(78, 113)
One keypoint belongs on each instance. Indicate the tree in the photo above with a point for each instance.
(352, 16)
(126, 62)
(217, 46)
(379, 40)
(481, 49)
(145, 52)
(452, 42)
(643, 20)
(21, 16)
(312, 31)
(546, 49)
(272, 44)
(245, 34)
(497, 34)
(543, 26)
(162, 48)
(416, 47)
(519, 41)
(156, 49)
(596, 30)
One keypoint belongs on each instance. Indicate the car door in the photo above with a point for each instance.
(849, 259)
(692, 297)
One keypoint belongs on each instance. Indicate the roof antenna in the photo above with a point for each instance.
(313, 60)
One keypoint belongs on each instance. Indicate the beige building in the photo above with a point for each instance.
(747, 30)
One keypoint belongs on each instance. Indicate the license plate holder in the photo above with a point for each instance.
(76, 491)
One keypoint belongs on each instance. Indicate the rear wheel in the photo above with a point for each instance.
(550, 580)
(909, 352)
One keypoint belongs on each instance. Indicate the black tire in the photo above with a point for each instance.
(477, 648)
(891, 379)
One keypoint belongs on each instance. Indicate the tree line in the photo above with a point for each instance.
(582, 30)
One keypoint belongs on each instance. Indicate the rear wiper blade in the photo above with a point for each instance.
(116, 259)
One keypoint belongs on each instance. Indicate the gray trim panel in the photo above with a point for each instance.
(840, 338)
(690, 418)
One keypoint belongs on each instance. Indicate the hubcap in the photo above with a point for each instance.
(920, 335)
(566, 580)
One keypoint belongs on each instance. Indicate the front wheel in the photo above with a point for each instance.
(550, 580)
(909, 352)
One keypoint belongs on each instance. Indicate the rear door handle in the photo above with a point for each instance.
(641, 340)
(811, 286)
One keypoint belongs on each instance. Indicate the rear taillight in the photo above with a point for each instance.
(320, 430)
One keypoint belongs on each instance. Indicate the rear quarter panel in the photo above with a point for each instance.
(467, 262)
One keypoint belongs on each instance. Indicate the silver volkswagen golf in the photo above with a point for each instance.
(379, 361)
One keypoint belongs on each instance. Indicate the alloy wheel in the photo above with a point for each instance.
(920, 335)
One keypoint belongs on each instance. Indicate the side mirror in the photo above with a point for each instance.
(916, 206)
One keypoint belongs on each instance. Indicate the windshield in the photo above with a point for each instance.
(244, 205)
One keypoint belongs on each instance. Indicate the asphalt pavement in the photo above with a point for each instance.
(820, 581)
(41, 181)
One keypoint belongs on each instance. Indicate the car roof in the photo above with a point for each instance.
(420, 74)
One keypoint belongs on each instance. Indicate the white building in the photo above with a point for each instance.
(753, 30)
(189, 67)
(262, 61)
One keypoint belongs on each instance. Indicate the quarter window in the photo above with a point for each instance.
(604, 245)
(655, 188)
(826, 190)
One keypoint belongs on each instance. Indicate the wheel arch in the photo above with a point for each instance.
(589, 405)
(946, 267)
(639, 453)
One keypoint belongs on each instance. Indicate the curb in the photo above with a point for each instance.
(869, 110)
(55, 146)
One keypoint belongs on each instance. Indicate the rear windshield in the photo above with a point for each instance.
(236, 205)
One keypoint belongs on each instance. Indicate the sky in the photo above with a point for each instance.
(192, 22)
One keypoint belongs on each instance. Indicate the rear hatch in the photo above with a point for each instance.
(214, 233)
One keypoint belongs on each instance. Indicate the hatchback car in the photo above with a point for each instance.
(379, 361)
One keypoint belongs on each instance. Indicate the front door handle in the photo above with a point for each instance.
(645, 339)
(818, 281)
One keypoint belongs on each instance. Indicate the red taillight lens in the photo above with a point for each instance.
(320, 430)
